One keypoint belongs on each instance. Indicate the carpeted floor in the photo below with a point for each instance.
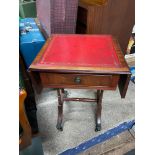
(79, 117)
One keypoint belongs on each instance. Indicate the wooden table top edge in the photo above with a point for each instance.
(79, 71)
(121, 70)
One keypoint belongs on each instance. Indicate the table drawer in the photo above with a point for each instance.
(79, 80)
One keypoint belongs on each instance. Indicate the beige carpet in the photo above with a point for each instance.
(79, 117)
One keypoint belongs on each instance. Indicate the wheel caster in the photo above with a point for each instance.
(59, 127)
(98, 127)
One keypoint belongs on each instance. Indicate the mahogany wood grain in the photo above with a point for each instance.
(25, 139)
(99, 110)
(123, 84)
(59, 125)
(86, 3)
(86, 80)
(37, 84)
(116, 17)
(80, 99)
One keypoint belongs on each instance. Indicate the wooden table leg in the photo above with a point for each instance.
(60, 93)
(99, 109)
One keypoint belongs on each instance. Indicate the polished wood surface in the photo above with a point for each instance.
(25, 139)
(99, 109)
(93, 2)
(115, 17)
(123, 84)
(62, 97)
(108, 82)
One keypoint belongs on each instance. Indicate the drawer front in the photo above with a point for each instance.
(79, 80)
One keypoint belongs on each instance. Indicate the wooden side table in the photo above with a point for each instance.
(80, 62)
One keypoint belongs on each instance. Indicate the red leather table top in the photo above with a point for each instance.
(80, 50)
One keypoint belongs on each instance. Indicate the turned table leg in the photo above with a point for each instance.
(60, 93)
(61, 99)
(98, 110)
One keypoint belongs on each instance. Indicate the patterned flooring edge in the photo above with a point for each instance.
(98, 139)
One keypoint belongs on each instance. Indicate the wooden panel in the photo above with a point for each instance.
(95, 20)
(37, 84)
(116, 17)
(78, 80)
(93, 2)
(123, 84)
(119, 19)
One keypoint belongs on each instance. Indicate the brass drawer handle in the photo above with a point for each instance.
(77, 80)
